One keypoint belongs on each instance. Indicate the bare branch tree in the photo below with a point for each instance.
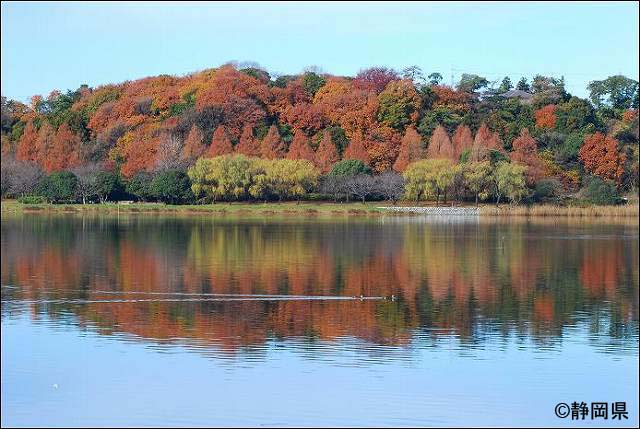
(361, 186)
(19, 178)
(88, 186)
(168, 155)
(390, 186)
(334, 186)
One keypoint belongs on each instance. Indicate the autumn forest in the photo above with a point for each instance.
(237, 133)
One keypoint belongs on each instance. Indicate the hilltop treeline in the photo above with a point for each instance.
(384, 118)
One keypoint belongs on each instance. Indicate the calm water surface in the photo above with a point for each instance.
(190, 321)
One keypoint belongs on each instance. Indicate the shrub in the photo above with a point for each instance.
(58, 187)
(568, 151)
(547, 189)
(600, 192)
(140, 186)
(172, 186)
(32, 199)
(107, 184)
(350, 167)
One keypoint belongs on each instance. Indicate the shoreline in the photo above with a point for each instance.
(309, 208)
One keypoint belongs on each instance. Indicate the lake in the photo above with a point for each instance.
(389, 321)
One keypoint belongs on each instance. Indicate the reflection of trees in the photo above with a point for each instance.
(469, 278)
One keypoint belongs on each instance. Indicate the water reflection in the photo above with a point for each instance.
(226, 284)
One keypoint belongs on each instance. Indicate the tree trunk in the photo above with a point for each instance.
(476, 199)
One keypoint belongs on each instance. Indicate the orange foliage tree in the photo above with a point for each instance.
(546, 117)
(383, 144)
(450, 98)
(284, 98)
(248, 145)
(27, 149)
(136, 150)
(193, 146)
(352, 109)
(327, 154)
(485, 141)
(462, 140)
(440, 146)
(300, 149)
(64, 152)
(410, 149)
(46, 134)
(601, 156)
(272, 145)
(305, 117)
(357, 149)
(220, 143)
(525, 152)
(239, 95)
(629, 115)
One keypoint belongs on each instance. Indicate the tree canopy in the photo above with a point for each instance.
(385, 119)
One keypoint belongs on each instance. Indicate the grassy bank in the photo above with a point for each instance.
(623, 211)
(314, 209)
(249, 209)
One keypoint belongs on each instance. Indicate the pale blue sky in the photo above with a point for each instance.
(48, 46)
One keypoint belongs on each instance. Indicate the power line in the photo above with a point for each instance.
(538, 72)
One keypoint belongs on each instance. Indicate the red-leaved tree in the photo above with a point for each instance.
(440, 146)
(28, 144)
(193, 146)
(327, 154)
(601, 156)
(220, 143)
(410, 149)
(300, 149)
(484, 142)
(248, 145)
(525, 152)
(272, 145)
(546, 117)
(357, 149)
(64, 152)
(462, 140)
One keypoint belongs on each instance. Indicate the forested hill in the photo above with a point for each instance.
(383, 117)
